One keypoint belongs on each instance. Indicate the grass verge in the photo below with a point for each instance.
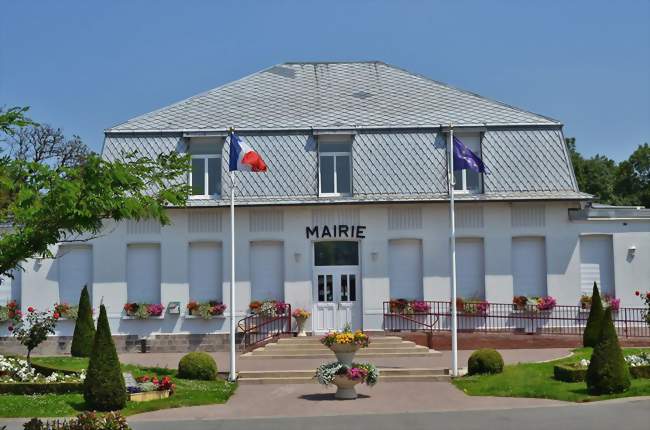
(188, 393)
(536, 380)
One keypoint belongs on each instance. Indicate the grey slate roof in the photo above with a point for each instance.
(331, 95)
(524, 165)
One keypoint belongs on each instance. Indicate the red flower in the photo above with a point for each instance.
(30, 309)
(56, 315)
(638, 293)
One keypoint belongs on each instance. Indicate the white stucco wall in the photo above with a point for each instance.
(428, 223)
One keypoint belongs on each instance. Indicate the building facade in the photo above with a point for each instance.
(354, 208)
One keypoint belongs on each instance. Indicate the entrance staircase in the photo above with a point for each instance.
(310, 347)
(293, 360)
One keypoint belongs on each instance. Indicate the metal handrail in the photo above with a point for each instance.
(261, 327)
(506, 317)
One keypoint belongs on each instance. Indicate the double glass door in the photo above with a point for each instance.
(337, 299)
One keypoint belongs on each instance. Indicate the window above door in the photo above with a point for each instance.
(336, 253)
(335, 168)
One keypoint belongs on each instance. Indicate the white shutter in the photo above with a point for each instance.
(143, 273)
(267, 270)
(470, 268)
(529, 266)
(596, 264)
(405, 268)
(75, 265)
(205, 271)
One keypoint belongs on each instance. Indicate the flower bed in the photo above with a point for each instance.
(146, 387)
(66, 310)
(270, 308)
(143, 311)
(17, 376)
(10, 312)
(404, 306)
(365, 373)
(206, 310)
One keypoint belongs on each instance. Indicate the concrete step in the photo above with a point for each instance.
(318, 346)
(317, 354)
(303, 351)
(305, 377)
(316, 339)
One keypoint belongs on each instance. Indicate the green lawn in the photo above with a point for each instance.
(188, 393)
(536, 380)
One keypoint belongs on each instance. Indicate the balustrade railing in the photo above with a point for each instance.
(263, 326)
(506, 317)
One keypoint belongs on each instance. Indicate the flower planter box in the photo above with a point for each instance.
(129, 317)
(147, 396)
(198, 317)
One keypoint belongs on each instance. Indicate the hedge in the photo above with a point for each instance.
(640, 372)
(41, 388)
(563, 372)
(47, 370)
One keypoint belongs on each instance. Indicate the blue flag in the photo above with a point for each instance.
(464, 158)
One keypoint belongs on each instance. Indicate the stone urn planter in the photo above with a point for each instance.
(300, 326)
(345, 387)
(345, 352)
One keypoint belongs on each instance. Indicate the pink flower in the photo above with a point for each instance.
(30, 309)
(56, 315)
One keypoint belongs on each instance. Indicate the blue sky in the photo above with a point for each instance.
(85, 66)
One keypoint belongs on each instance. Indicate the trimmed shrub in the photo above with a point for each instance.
(485, 361)
(594, 323)
(607, 371)
(640, 372)
(84, 328)
(104, 388)
(29, 388)
(566, 373)
(197, 365)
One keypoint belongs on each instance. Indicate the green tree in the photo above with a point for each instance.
(104, 388)
(53, 191)
(12, 119)
(84, 328)
(607, 371)
(632, 181)
(591, 335)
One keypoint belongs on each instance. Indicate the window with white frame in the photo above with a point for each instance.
(205, 175)
(335, 168)
(466, 180)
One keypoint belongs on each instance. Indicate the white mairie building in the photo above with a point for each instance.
(353, 211)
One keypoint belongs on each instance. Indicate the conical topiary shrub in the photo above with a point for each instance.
(607, 371)
(594, 323)
(84, 328)
(104, 388)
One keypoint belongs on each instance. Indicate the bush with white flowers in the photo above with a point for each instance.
(18, 370)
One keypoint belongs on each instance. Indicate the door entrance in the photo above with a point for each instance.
(337, 291)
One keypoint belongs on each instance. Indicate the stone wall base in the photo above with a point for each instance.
(58, 345)
(469, 341)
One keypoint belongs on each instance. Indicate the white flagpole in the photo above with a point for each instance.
(452, 216)
(233, 374)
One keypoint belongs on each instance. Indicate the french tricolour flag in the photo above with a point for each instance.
(243, 157)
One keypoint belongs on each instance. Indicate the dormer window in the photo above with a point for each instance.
(465, 180)
(335, 168)
(205, 175)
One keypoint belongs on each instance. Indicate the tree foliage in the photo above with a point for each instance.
(12, 119)
(625, 183)
(54, 190)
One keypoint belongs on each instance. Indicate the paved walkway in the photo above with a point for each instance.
(304, 400)
(260, 363)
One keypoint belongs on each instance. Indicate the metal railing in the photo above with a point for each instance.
(261, 327)
(506, 317)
